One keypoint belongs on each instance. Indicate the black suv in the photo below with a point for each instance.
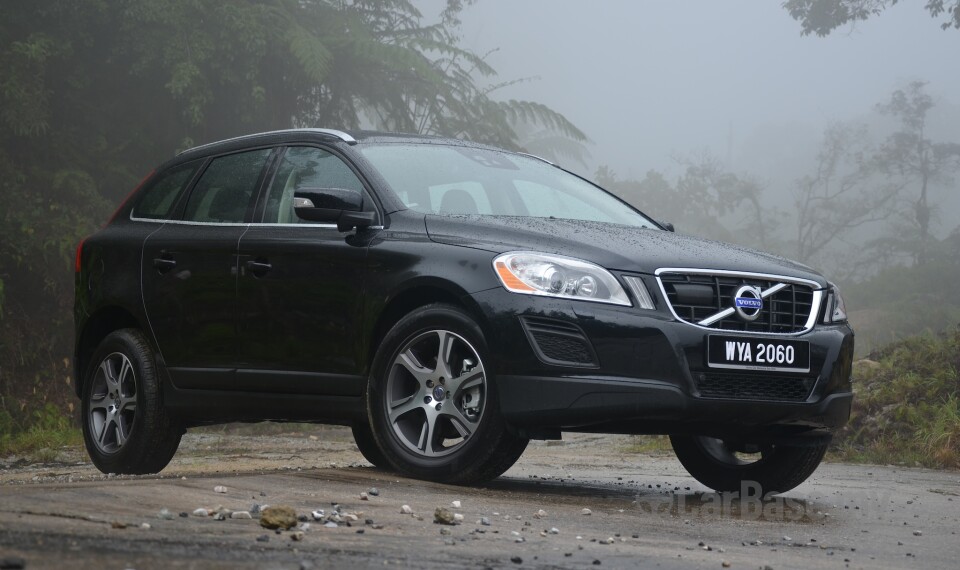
(449, 301)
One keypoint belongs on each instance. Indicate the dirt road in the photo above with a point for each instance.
(645, 511)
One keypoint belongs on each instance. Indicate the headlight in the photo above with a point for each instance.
(549, 275)
(836, 308)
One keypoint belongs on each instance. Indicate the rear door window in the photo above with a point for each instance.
(158, 197)
(225, 189)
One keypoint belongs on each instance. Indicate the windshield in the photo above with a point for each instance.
(440, 179)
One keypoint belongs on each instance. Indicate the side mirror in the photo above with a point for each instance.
(343, 206)
(667, 226)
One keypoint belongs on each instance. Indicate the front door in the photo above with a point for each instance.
(301, 288)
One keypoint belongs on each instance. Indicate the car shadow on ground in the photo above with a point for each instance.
(662, 500)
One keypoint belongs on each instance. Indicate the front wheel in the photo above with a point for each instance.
(724, 466)
(126, 428)
(432, 401)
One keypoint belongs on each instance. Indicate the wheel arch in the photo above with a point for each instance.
(420, 294)
(101, 323)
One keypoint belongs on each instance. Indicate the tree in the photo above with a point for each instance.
(822, 17)
(910, 155)
(706, 199)
(841, 195)
(96, 92)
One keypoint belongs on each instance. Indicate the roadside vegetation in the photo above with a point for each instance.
(907, 405)
(49, 431)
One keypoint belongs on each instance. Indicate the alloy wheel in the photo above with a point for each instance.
(113, 403)
(436, 391)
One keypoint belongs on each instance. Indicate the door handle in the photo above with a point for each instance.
(164, 263)
(258, 267)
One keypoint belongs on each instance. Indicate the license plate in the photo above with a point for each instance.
(744, 353)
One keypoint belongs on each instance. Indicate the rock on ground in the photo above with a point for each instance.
(281, 517)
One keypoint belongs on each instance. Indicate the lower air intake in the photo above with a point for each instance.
(559, 342)
(765, 388)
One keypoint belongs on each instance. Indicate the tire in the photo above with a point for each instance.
(126, 428)
(439, 418)
(368, 447)
(778, 469)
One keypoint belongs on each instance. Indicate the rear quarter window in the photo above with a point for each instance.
(156, 200)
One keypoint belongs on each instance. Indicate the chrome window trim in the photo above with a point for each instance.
(234, 224)
(332, 132)
(818, 294)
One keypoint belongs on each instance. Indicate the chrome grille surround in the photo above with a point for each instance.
(720, 316)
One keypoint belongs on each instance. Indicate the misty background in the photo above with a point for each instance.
(839, 148)
(734, 89)
(647, 80)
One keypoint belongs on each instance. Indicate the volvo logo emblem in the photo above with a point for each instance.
(439, 393)
(748, 303)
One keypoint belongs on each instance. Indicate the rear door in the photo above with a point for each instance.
(189, 272)
(301, 287)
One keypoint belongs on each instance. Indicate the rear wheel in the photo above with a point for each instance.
(724, 466)
(126, 429)
(432, 400)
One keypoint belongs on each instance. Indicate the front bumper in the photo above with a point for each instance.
(644, 378)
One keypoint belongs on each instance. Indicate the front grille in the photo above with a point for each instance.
(727, 386)
(559, 342)
(697, 296)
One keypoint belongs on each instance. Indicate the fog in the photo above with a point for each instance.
(647, 80)
(663, 86)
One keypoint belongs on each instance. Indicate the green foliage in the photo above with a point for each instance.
(907, 404)
(49, 430)
(94, 93)
(822, 17)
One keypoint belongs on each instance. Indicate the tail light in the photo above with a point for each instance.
(78, 260)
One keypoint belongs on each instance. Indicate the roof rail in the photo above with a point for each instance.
(330, 132)
(540, 158)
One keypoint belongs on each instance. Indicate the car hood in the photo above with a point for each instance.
(614, 246)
